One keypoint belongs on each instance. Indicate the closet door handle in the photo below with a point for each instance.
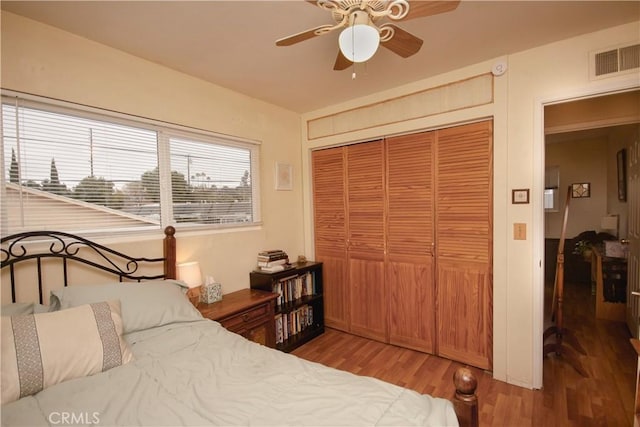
(635, 293)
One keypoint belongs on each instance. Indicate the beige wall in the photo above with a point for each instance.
(591, 160)
(579, 161)
(620, 137)
(537, 77)
(547, 74)
(45, 61)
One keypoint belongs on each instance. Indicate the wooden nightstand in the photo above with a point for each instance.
(247, 312)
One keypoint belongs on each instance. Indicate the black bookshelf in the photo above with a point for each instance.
(294, 305)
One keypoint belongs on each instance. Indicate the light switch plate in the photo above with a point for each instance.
(519, 231)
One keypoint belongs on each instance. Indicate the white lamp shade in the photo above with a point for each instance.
(358, 43)
(189, 273)
(609, 222)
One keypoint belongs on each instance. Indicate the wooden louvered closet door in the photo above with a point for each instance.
(329, 208)
(365, 228)
(410, 264)
(379, 208)
(464, 243)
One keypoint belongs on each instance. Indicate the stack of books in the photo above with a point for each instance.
(273, 260)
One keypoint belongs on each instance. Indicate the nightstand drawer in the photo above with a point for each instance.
(246, 312)
(246, 318)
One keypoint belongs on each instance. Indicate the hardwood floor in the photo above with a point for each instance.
(605, 398)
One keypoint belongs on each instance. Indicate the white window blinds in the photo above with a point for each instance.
(211, 183)
(70, 170)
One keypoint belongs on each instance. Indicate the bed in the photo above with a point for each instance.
(135, 351)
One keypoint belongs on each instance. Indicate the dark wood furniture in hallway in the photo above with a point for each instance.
(604, 398)
(610, 277)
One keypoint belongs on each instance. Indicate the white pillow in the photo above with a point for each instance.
(144, 305)
(41, 350)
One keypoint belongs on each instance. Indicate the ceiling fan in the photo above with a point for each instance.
(363, 30)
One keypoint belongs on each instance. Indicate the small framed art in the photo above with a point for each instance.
(580, 189)
(520, 196)
(284, 176)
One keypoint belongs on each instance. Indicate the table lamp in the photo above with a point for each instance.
(610, 223)
(190, 274)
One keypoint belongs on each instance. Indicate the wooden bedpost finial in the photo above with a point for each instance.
(465, 401)
(465, 383)
(169, 230)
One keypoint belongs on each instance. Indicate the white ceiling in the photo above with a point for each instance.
(232, 43)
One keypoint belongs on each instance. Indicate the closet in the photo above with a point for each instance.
(403, 227)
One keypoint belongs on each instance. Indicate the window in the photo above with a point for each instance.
(82, 171)
(211, 184)
(551, 187)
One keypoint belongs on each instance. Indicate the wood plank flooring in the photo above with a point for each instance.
(605, 398)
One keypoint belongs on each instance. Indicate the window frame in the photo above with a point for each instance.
(164, 131)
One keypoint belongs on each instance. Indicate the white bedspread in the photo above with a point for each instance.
(197, 374)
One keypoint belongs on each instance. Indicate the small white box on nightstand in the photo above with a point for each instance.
(615, 249)
(211, 292)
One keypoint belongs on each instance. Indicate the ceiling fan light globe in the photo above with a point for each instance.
(358, 43)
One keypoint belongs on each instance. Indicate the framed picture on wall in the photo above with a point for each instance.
(520, 196)
(284, 176)
(622, 175)
(581, 189)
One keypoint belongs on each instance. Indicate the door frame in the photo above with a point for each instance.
(538, 226)
(633, 269)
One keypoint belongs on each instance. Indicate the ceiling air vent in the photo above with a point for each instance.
(630, 57)
(607, 62)
(616, 60)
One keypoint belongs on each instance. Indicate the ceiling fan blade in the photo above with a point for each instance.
(342, 63)
(300, 37)
(402, 43)
(420, 8)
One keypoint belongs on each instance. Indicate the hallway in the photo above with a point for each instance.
(607, 396)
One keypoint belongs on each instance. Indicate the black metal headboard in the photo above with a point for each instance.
(17, 248)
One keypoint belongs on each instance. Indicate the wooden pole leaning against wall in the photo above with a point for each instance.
(566, 344)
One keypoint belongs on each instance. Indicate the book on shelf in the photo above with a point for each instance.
(274, 268)
(272, 258)
(279, 330)
(270, 251)
(272, 255)
(272, 263)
